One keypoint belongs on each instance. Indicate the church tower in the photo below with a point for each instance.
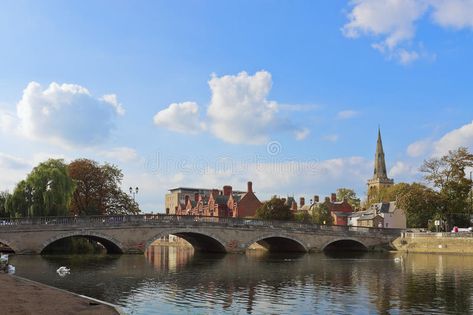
(380, 177)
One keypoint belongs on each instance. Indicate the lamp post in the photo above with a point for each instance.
(133, 192)
(471, 199)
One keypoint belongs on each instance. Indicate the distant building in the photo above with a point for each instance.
(217, 203)
(382, 214)
(380, 178)
(339, 210)
(177, 197)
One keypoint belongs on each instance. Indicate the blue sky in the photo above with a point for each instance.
(288, 94)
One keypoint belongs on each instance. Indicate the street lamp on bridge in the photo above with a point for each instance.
(133, 192)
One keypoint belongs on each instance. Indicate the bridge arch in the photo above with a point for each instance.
(279, 243)
(344, 243)
(9, 244)
(112, 245)
(201, 241)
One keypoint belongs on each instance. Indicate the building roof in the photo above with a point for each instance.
(342, 214)
(384, 207)
(369, 217)
(193, 189)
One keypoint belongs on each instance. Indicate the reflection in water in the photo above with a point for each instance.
(173, 280)
(170, 258)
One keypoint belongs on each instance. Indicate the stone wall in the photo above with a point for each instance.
(460, 243)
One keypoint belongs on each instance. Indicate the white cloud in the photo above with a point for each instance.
(330, 138)
(347, 114)
(462, 136)
(419, 148)
(113, 101)
(302, 134)
(122, 154)
(457, 14)
(66, 114)
(406, 57)
(7, 121)
(11, 162)
(239, 109)
(12, 170)
(180, 117)
(402, 169)
(394, 22)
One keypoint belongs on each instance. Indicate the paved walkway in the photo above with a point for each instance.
(21, 296)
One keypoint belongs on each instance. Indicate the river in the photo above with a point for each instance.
(170, 280)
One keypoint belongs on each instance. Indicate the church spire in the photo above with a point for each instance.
(379, 162)
(380, 178)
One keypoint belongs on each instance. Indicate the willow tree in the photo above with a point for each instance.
(46, 191)
(4, 195)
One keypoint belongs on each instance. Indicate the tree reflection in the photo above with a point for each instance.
(179, 279)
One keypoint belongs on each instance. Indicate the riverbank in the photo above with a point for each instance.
(438, 243)
(22, 296)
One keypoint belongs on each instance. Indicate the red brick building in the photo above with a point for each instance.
(221, 203)
(340, 210)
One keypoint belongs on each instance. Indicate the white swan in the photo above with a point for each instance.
(62, 271)
(11, 269)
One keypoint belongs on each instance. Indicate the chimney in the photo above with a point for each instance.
(327, 199)
(302, 202)
(316, 198)
(227, 190)
(333, 197)
(187, 199)
(250, 187)
(196, 197)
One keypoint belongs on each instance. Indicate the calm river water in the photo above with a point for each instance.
(179, 281)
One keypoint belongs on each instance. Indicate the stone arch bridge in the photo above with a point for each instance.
(133, 234)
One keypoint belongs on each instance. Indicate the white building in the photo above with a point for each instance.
(392, 216)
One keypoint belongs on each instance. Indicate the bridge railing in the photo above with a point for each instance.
(178, 220)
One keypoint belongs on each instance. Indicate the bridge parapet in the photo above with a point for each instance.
(174, 220)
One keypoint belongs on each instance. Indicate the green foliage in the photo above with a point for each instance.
(302, 216)
(274, 209)
(321, 214)
(4, 195)
(419, 202)
(47, 191)
(350, 196)
(447, 175)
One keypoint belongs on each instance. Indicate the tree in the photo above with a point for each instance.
(4, 195)
(447, 175)
(98, 189)
(321, 214)
(46, 191)
(274, 209)
(419, 203)
(350, 196)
